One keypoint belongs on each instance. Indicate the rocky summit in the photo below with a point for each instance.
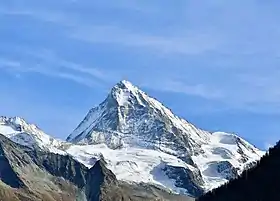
(130, 147)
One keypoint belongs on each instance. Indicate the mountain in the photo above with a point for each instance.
(145, 145)
(143, 141)
(258, 183)
(30, 175)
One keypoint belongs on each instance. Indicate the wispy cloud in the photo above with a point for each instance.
(174, 86)
(257, 92)
(188, 43)
(52, 61)
(6, 63)
(49, 64)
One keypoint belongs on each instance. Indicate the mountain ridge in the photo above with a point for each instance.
(28, 134)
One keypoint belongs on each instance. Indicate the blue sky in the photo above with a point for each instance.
(213, 62)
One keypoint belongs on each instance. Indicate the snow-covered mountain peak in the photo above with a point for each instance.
(24, 133)
(124, 84)
(128, 95)
(19, 124)
(125, 93)
(130, 120)
(16, 120)
(134, 118)
(129, 117)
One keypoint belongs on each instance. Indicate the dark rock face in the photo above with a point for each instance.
(7, 175)
(98, 178)
(185, 179)
(25, 171)
(227, 169)
(10, 159)
(61, 166)
(223, 168)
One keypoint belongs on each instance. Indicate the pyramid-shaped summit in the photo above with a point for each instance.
(129, 117)
(125, 92)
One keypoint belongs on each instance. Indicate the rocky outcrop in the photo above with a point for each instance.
(185, 179)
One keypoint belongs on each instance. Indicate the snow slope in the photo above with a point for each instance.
(134, 164)
(130, 164)
(223, 148)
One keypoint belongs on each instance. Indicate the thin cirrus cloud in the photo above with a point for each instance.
(189, 43)
(175, 86)
(232, 45)
(52, 60)
(51, 65)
